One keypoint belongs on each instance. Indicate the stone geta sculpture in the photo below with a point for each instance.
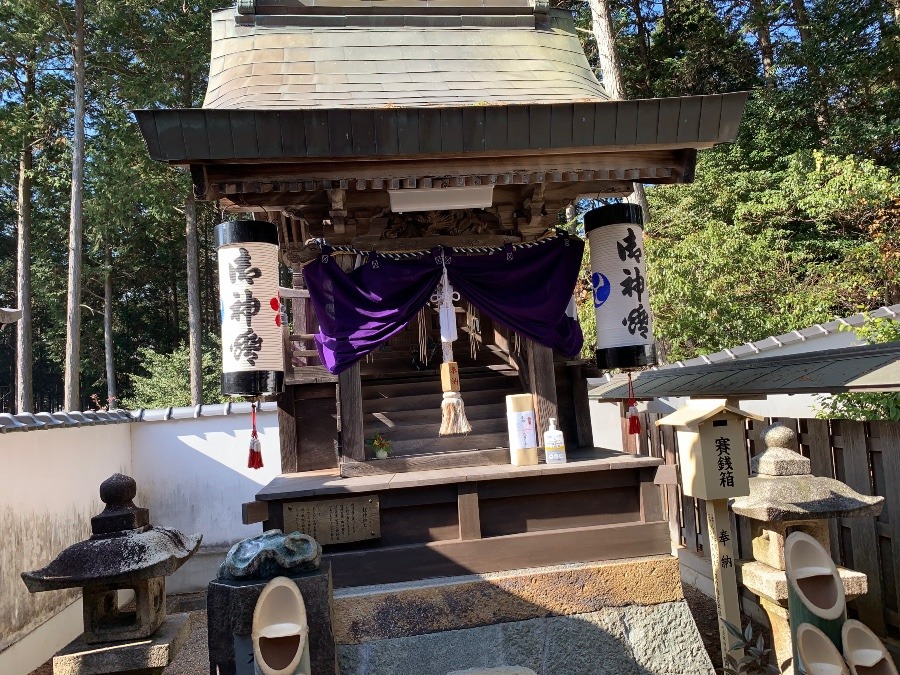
(271, 554)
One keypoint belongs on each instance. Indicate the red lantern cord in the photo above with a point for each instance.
(634, 422)
(255, 459)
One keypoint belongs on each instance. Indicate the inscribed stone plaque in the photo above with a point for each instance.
(335, 521)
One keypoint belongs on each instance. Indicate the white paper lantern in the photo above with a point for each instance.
(618, 276)
(252, 352)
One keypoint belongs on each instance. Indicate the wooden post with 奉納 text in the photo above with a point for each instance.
(713, 459)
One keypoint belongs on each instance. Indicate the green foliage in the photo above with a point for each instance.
(865, 406)
(756, 659)
(742, 254)
(167, 380)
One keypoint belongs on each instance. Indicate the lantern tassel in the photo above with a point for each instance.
(634, 422)
(254, 461)
(453, 410)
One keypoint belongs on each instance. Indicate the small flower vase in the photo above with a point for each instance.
(381, 454)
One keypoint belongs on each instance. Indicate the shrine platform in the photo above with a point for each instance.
(394, 527)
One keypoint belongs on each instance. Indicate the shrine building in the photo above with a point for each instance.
(399, 138)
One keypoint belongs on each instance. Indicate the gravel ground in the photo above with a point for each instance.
(194, 659)
(703, 609)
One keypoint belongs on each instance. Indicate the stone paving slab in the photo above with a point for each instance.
(651, 640)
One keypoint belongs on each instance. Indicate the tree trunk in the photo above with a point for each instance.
(111, 393)
(193, 295)
(24, 336)
(71, 396)
(643, 48)
(759, 17)
(802, 21)
(611, 72)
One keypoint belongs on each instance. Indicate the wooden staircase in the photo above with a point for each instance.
(405, 408)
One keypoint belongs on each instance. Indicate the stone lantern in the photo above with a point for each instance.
(784, 498)
(124, 552)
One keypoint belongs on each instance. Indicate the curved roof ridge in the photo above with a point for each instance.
(316, 56)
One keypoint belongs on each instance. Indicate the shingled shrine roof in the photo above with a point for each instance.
(430, 94)
(395, 53)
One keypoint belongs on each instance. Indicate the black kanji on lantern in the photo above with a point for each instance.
(241, 270)
(633, 285)
(244, 309)
(247, 346)
(628, 248)
(637, 321)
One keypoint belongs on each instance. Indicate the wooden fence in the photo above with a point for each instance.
(864, 455)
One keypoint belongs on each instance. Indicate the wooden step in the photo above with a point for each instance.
(432, 400)
(429, 431)
(380, 421)
(431, 385)
(406, 373)
(450, 444)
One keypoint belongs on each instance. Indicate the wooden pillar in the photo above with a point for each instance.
(469, 515)
(315, 411)
(351, 413)
(651, 497)
(542, 381)
(585, 438)
(287, 430)
(723, 558)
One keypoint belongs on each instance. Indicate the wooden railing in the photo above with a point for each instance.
(864, 455)
(301, 360)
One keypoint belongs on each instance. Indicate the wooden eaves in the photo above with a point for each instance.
(652, 140)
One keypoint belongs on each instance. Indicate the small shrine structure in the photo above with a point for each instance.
(377, 130)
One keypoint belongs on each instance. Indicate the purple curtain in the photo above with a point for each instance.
(525, 289)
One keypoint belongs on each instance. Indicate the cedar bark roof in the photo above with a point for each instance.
(395, 53)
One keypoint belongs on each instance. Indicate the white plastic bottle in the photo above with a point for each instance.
(554, 444)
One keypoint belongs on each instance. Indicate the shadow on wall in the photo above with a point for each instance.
(48, 494)
(192, 474)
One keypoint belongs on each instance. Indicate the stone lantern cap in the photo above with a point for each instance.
(783, 489)
(124, 547)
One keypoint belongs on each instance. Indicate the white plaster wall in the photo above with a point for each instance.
(192, 473)
(48, 493)
(606, 425)
(783, 405)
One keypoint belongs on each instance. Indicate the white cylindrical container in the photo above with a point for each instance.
(618, 275)
(522, 430)
(554, 444)
(252, 351)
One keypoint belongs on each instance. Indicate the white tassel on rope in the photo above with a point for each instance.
(453, 411)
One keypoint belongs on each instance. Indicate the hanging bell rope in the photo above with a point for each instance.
(634, 422)
(453, 411)
(254, 461)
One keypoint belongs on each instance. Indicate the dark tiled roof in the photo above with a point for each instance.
(867, 368)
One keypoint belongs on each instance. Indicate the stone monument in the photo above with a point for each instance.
(125, 553)
(785, 497)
